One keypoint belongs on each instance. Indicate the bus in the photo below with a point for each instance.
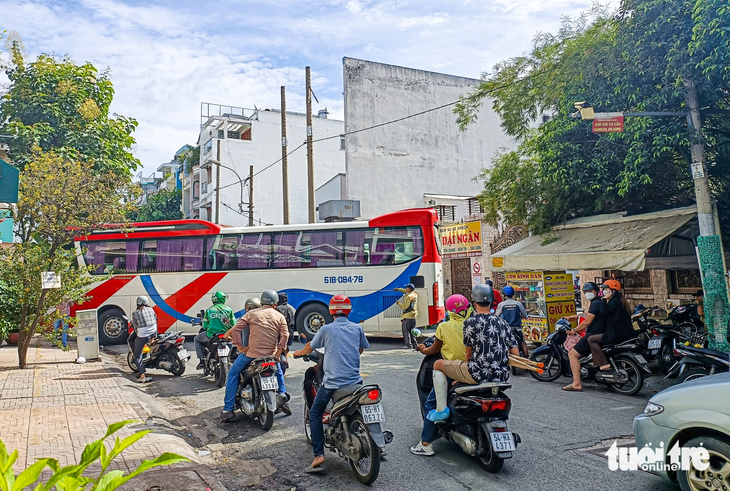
(179, 264)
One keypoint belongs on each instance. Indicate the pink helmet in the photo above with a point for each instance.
(457, 303)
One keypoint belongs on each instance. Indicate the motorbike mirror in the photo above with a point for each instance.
(201, 314)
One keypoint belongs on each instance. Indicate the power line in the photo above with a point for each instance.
(242, 213)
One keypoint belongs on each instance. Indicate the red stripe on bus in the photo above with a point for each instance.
(183, 299)
(102, 293)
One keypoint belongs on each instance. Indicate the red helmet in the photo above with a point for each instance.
(340, 305)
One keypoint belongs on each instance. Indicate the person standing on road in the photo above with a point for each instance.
(343, 342)
(64, 309)
(449, 342)
(488, 341)
(409, 303)
(594, 323)
(217, 320)
(268, 334)
(144, 322)
(512, 311)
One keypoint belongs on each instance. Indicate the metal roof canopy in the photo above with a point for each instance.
(659, 240)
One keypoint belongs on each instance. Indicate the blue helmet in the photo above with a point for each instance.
(508, 291)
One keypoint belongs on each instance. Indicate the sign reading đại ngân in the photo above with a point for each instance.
(461, 240)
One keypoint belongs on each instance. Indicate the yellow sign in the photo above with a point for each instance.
(461, 240)
(535, 328)
(498, 262)
(556, 310)
(523, 276)
(558, 287)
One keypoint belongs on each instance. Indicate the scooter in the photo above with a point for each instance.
(165, 351)
(256, 395)
(351, 423)
(216, 352)
(698, 362)
(478, 416)
(625, 358)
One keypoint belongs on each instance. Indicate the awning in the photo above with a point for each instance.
(607, 242)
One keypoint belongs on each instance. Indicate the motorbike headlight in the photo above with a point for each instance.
(652, 409)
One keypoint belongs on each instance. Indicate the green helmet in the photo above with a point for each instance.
(219, 297)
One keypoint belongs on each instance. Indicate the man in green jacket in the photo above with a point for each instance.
(409, 303)
(217, 320)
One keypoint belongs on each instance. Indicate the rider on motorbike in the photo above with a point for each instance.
(488, 340)
(343, 342)
(512, 311)
(450, 342)
(217, 320)
(268, 334)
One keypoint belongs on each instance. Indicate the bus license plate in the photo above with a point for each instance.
(502, 442)
(269, 383)
(224, 351)
(373, 413)
(655, 343)
(182, 354)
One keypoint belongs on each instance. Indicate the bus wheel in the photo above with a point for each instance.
(311, 318)
(113, 327)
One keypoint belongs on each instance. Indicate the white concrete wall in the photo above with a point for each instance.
(391, 167)
(263, 149)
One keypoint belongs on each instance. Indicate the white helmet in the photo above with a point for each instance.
(142, 300)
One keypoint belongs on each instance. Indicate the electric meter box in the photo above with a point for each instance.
(87, 334)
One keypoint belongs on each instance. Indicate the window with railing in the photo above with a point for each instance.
(446, 213)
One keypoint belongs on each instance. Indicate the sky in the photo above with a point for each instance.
(166, 57)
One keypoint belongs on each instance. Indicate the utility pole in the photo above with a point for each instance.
(699, 165)
(284, 159)
(310, 149)
(218, 180)
(250, 196)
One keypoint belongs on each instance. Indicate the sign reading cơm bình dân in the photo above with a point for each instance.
(461, 240)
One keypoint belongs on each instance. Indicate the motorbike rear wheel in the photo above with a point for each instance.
(265, 419)
(692, 374)
(665, 358)
(552, 370)
(636, 377)
(221, 372)
(490, 462)
(367, 468)
(178, 367)
(307, 426)
(131, 361)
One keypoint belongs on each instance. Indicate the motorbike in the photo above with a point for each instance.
(697, 363)
(624, 357)
(216, 352)
(477, 422)
(657, 339)
(686, 314)
(352, 421)
(256, 395)
(165, 351)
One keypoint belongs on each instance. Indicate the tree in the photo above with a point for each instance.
(162, 205)
(58, 199)
(636, 59)
(57, 105)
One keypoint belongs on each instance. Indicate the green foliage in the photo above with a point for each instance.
(636, 59)
(55, 104)
(71, 478)
(162, 205)
(190, 158)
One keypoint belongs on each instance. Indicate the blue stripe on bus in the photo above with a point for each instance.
(363, 308)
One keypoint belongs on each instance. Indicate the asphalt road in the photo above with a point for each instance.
(557, 429)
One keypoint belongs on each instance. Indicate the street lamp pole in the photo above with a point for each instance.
(241, 182)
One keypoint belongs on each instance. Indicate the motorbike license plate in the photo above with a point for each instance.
(269, 383)
(183, 353)
(655, 343)
(373, 413)
(641, 359)
(224, 351)
(502, 442)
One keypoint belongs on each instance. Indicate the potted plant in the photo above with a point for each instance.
(9, 313)
(12, 336)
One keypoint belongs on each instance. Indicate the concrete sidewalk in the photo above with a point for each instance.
(55, 407)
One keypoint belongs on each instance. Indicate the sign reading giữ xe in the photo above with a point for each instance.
(461, 240)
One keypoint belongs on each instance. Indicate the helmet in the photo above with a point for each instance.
(410, 286)
(590, 286)
(142, 300)
(269, 297)
(508, 291)
(340, 305)
(457, 303)
(488, 282)
(283, 298)
(482, 294)
(562, 323)
(219, 297)
(252, 303)
(613, 285)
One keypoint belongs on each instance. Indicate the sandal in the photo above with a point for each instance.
(314, 470)
(145, 380)
(570, 388)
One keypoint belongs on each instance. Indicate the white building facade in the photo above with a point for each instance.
(238, 138)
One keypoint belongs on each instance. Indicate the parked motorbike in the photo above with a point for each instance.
(698, 362)
(165, 351)
(625, 358)
(351, 423)
(256, 395)
(477, 422)
(216, 352)
(657, 339)
(682, 314)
